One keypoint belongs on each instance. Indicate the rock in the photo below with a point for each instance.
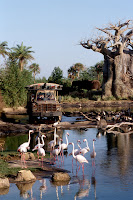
(4, 183)
(60, 176)
(29, 156)
(25, 175)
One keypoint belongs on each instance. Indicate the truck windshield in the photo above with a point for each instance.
(44, 96)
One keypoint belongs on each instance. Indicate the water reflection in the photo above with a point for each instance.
(24, 189)
(84, 188)
(4, 191)
(43, 187)
(59, 187)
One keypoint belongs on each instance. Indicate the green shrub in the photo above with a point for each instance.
(13, 83)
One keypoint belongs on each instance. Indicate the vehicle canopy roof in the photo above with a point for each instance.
(46, 86)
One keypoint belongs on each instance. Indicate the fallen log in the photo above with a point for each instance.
(119, 125)
(87, 117)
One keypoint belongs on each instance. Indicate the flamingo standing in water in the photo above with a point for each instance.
(41, 152)
(76, 151)
(39, 144)
(64, 146)
(85, 149)
(55, 152)
(93, 154)
(52, 143)
(81, 159)
(23, 149)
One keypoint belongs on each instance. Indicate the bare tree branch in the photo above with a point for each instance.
(107, 32)
(117, 41)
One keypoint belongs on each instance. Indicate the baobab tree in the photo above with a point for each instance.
(116, 45)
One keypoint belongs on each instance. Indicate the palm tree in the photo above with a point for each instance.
(23, 54)
(99, 68)
(78, 68)
(35, 69)
(73, 71)
(3, 48)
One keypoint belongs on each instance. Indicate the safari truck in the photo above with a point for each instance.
(43, 101)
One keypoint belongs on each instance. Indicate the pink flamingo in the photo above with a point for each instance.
(56, 152)
(26, 144)
(39, 144)
(93, 154)
(81, 159)
(85, 149)
(76, 151)
(52, 143)
(41, 152)
(23, 148)
(64, 146)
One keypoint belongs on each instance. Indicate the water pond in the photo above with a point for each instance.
(110, 178)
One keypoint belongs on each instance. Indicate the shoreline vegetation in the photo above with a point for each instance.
(77, 104)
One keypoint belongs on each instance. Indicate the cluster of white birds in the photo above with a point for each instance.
(62, 146)
(78, 154)
(40, 149)
(26, 146)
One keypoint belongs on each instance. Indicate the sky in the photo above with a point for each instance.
(55, 28)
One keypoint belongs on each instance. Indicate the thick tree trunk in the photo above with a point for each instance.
(118, 76)
(107, 77)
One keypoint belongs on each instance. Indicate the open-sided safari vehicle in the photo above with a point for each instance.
(43, 101)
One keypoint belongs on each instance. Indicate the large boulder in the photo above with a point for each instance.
(4, 183)
(29, 156)
(25, 176)
(60, 176)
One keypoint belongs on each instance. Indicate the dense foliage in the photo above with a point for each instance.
(56, 76)
(13, 82)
